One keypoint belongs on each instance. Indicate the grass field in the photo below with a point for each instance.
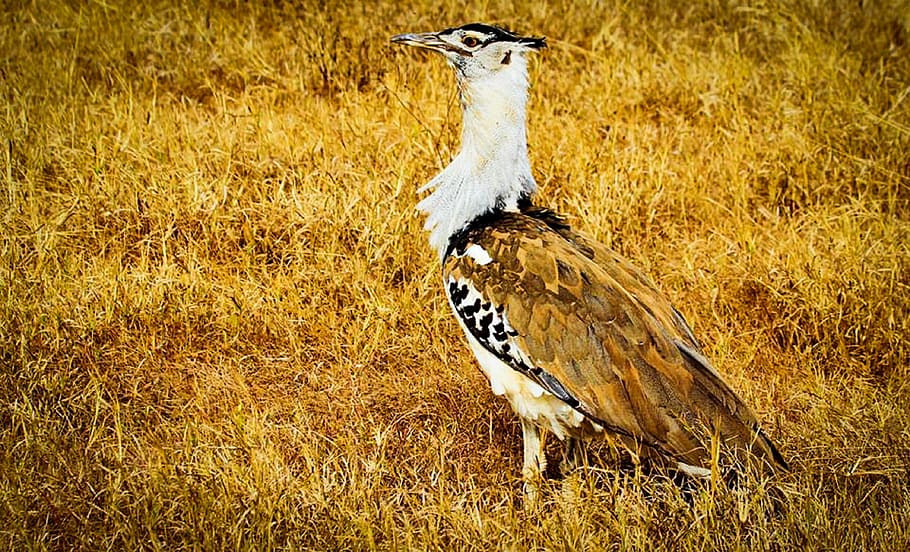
(221, 326)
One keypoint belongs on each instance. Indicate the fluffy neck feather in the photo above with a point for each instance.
(492, 169)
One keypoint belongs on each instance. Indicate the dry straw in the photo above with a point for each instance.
(221, 326)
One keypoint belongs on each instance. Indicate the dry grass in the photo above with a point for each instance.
(221, 326)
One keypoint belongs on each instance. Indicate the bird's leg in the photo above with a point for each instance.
(573, 456)
(535, 461)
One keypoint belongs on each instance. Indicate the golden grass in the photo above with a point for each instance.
(221, 326)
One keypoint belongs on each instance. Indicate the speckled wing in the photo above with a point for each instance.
(589, 328)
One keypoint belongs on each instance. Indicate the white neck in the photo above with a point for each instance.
(492, 169)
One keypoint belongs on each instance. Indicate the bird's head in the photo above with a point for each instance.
(476, 50)
(492, 170)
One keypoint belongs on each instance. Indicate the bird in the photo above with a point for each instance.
(579, 341)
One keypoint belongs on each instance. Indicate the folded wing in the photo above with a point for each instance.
(589, 328)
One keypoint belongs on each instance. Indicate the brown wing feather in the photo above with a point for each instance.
(597, 326)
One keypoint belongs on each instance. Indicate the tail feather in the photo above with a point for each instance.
(741, 420)
(771, 450)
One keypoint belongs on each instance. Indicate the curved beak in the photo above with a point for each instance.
(426, 41)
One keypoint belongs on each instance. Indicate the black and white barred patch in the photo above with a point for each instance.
(489, 324)
(485, 321)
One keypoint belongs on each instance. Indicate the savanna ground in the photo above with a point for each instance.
(221, 326)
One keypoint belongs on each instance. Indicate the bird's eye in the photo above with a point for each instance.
(470, 41)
